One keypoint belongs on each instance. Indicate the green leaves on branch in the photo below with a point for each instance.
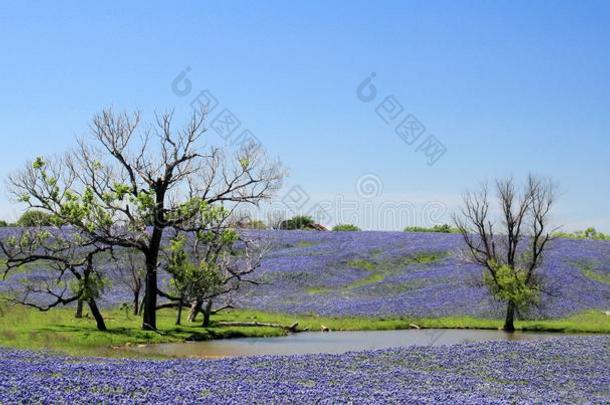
(191, 279)
(83, 210)
(91, 210)
(120, 191)
(198, 210)
(90, 287)
(28, 240)
(511, 285)
(244, 163)
(38, 163)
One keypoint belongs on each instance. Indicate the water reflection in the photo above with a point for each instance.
(333, 342)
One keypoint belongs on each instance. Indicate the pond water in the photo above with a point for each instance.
(333, 342)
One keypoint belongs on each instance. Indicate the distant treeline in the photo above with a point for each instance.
(589, 233)
(30, 218)
(444, 228)
(39, 218)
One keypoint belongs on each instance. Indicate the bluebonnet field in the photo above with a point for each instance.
(561, 370)
(356, 273)
(393, 274)
(417, 274)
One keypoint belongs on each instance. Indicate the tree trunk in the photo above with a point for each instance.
(97, 315)
(206, 314)
(136, 302)
(509, 322)
(149, 320)
(79, 309)
(179, 316)
(195, 309)
(141, 309)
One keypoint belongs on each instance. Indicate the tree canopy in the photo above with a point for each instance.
(298, 222)
(35, 217)
(345, 227)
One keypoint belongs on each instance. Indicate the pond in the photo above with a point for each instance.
(333, 342)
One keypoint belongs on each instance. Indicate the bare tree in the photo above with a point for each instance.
(275, 219)
(128, 268)
(512, 254)
(69, 263)
(130, 184)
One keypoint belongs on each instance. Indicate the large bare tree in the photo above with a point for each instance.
(509, 245)
(126, 184)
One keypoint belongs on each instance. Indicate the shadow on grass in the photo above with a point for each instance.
(134, 335)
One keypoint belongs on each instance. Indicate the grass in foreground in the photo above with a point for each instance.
(27, 328)
(58, 330)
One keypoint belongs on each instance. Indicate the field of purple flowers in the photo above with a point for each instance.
(418, 274)
(380, 274)
(561, 370)
(393, 274)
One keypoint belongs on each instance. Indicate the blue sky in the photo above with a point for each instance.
(507, 87)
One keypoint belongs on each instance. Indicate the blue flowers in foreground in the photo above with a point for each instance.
(561, 370)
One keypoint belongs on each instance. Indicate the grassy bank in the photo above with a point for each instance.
(58, 330)
(587, 322)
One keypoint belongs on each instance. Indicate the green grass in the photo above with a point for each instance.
(370, 279)
(380, 270)
(58, 330)
(589, 269)
(305, 244)
(587, 322)
(318, 290)
(361, 264)
(602, 278)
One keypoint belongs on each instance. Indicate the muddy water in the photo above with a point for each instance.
(333, 342)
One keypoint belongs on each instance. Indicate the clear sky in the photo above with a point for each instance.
(506, 87)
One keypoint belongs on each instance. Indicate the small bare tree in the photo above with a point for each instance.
(275, 219)
(69, 265)
(512, 254)
(128, 268)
